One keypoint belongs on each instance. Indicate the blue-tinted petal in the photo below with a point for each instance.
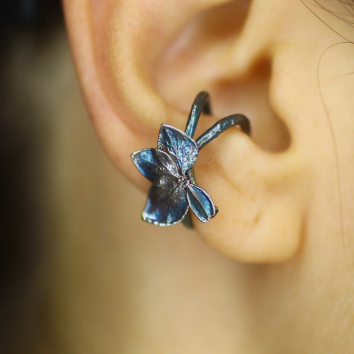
(156, 165)
(200, 203)
(180, 145)
(166, 205)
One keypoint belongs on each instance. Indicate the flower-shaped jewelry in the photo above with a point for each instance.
(170, 168)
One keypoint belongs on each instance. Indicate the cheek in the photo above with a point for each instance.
(336, 84)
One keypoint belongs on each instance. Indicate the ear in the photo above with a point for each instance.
(140, 64)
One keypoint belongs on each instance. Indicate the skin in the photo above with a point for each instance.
(273, 271)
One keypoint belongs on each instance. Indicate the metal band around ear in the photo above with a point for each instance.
(170, 168)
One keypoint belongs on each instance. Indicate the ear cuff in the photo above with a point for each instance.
(170, 168)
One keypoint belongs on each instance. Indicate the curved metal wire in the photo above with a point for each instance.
(200, 104)
(222, 125)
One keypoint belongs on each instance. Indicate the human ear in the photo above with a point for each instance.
(140, 64)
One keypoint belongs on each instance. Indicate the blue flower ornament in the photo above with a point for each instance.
(169, 168)
(174, 189)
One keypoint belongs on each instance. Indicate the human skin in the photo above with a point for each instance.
(285, 195)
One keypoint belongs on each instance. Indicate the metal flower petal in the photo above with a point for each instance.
(180, 145)
(166, 204)
(156, 165)
(170, 168)
(200, 203)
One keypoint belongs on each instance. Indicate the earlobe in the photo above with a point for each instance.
(120, 54)
(260, 197)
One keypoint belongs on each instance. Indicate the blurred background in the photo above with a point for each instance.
(31, 40)
(74, 254)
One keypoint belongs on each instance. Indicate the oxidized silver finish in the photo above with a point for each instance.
(170, 168)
